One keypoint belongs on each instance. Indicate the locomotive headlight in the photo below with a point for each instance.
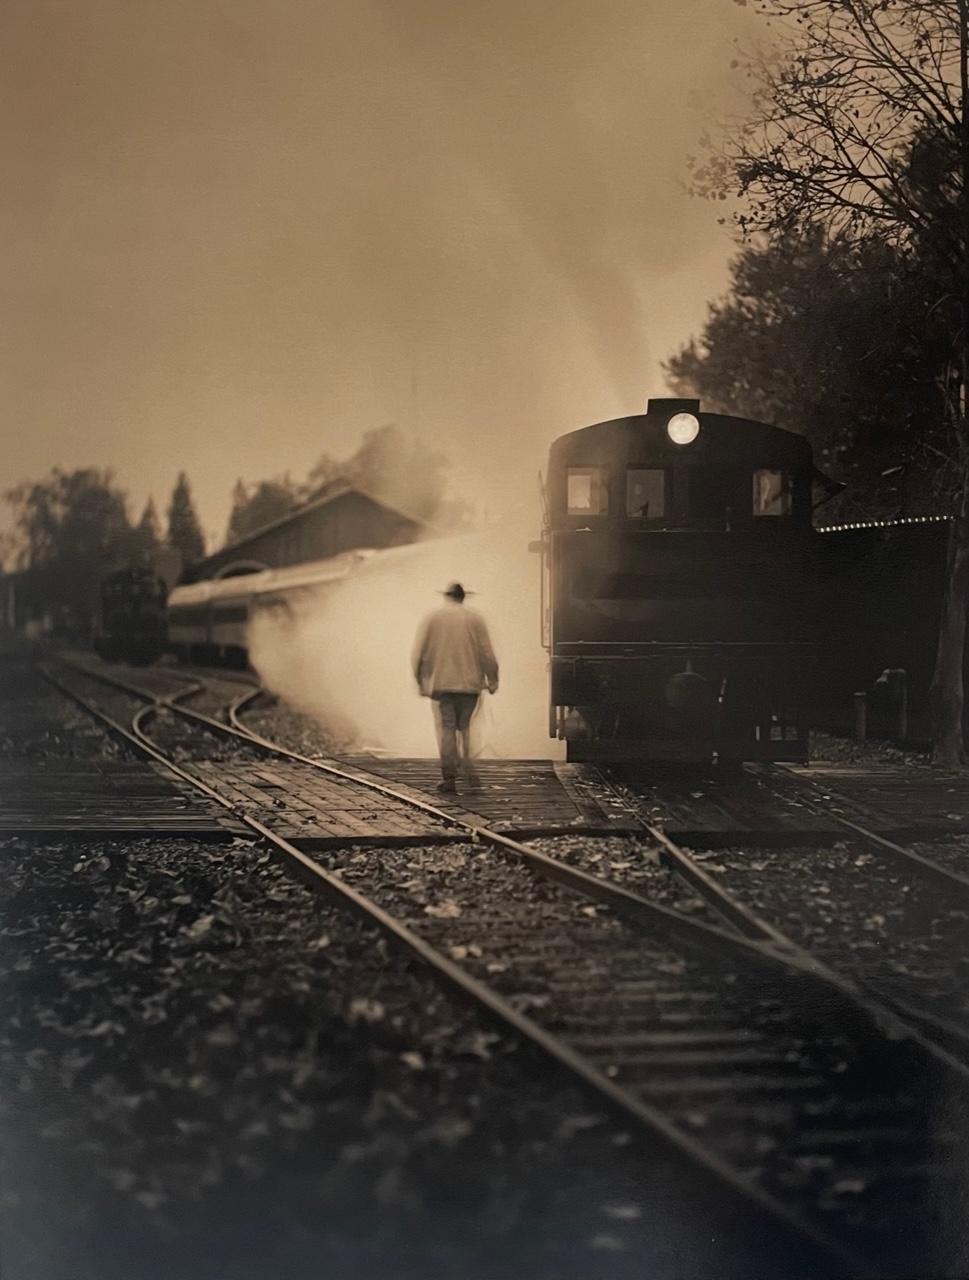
(683, 428)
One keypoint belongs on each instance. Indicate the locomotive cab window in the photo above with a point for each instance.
(646, 493)
(587, 493)
(772, 493)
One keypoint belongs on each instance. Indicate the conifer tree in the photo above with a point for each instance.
(184, 530)
(240, 500)
(146, 536)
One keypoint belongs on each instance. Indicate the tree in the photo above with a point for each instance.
(184, 530)
(401, 471)
(830, 337)
(860, 94)
(146, 535)
(268, 501)
(324, 472)
(71, 528)
(389, 465)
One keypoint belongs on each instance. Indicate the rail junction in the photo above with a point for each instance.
(791, 1089)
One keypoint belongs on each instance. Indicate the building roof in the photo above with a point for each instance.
(336, 489)
(328, 494)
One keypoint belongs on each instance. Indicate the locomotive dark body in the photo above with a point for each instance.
(131, 622)
(677, 594)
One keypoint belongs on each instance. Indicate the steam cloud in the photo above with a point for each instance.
(343, 654)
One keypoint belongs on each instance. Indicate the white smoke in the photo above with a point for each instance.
(344, 653)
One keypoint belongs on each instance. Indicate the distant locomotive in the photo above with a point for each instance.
(677, 579)
(131, 623)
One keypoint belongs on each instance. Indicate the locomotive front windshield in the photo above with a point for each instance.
(646, 492)
(704, 497)
(588, 493)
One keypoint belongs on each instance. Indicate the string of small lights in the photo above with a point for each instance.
(883, 524)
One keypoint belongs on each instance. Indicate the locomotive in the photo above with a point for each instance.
(677, 579)
(131, 621)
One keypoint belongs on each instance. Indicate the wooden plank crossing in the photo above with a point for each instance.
(104, 797)
(309, 806)
(700, 810)
(515, 796)
(774, 809)
(888, 799)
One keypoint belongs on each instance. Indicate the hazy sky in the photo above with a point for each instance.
(238, 232)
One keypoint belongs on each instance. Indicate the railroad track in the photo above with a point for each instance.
(790, 1093)
(943, 891)
(827, 800)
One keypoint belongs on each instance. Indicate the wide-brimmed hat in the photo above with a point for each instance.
(456, 592)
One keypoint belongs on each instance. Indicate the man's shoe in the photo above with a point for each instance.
(447, 787)
(473, 779)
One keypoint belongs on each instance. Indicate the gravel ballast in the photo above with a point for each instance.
(860, 912)
(40, 725)
(206, 1072)
(629, 862)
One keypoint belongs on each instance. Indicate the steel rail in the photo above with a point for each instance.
(946, 1035)
(625, 902)
(756, 943)
(670, 924)
(934, 872)
(720, 1174)
(929, 1028)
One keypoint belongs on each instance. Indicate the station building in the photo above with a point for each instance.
(340, 518)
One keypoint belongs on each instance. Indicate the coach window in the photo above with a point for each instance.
(587, 492)
(772, 493)
(646, 493)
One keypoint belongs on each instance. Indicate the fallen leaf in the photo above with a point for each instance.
(199, 929)
(366, 1011)
(849, 1187)
(607, 1243)
(449, 1130)
(622, 1212)
(447, 910)
(150, 1200)
(224, 1037)
(479, 1044)
(298, 1121)
(572, 1125)
(104, 1029)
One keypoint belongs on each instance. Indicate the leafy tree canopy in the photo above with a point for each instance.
(859, 122)
(71, 528)
(403, 472)
(261, 504)
(832, 337)
(388, 464)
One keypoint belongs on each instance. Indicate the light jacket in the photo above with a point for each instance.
(453, 653)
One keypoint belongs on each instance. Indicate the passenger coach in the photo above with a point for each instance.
(677, 579)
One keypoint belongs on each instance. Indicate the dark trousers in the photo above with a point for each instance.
(454, 712)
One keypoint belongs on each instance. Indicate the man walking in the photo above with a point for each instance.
(453, 662)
